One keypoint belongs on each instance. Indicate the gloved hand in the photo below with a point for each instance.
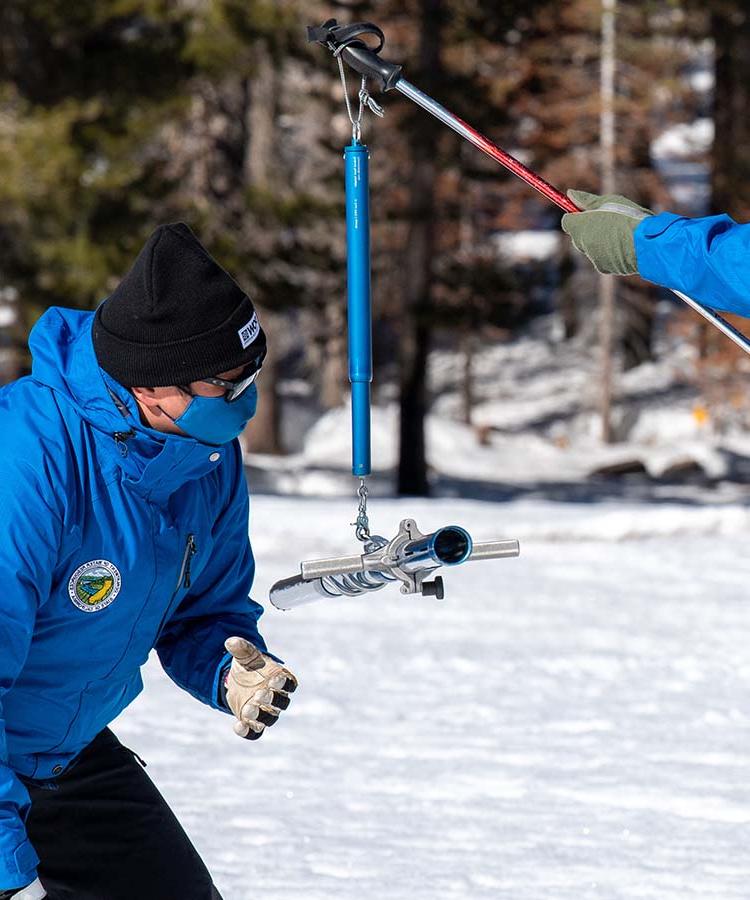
(33, 891)
(257, 688)
(604, 231)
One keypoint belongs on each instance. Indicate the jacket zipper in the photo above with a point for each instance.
(190, 550)
(121, 438)
(183, 580)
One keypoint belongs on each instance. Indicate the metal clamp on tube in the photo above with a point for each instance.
(410, 558)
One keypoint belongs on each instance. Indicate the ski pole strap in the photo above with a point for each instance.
(333, 35)
(346, 41)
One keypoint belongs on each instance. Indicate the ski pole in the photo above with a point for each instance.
(346, 41)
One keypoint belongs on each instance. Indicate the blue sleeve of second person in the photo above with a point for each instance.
(708, 259)
(191, 647)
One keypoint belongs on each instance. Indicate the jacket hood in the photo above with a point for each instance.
(63, 359)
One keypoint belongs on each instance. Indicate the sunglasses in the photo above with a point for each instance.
(235, 388)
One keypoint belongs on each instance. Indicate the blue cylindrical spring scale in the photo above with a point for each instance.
(359, 304)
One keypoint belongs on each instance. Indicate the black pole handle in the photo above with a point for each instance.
(366, 62)
(346, 41)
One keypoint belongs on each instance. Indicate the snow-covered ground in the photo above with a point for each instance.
(571, 724)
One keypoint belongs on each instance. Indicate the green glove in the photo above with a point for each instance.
(604, 231)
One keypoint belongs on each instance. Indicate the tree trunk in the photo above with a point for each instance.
(730, 186)
(264, 433)
(639, 311)
(568, 294)
(468, 352)
(333, 368)
(420, 246)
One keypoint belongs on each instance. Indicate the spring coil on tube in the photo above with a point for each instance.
(359, 582)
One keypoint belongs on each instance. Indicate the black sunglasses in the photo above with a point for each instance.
(235, 388)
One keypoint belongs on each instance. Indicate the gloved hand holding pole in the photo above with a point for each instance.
(605, 230)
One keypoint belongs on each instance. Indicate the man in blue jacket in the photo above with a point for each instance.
(123, 527)
(705, 258)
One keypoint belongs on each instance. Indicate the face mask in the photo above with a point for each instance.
(214, 421)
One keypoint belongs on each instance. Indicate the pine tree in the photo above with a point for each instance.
(248, 158)
(83, 179)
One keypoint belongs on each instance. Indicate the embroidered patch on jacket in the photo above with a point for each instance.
(249, 332)
(94, 585)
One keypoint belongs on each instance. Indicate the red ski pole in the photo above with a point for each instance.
(486, 146)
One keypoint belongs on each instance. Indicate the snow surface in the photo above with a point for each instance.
(570, 724)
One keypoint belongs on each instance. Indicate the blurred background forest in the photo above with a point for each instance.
(495, 371)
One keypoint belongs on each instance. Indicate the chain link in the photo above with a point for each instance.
(356, 123)
(365, 100)
(362, 524)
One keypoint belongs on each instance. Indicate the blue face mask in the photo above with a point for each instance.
(214, 421)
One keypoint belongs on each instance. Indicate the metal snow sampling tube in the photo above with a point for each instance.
(358, 299)
(410, 558)
(346, 41)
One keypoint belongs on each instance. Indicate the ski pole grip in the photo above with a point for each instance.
(366, 62)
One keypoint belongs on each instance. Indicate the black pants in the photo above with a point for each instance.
(104, 832)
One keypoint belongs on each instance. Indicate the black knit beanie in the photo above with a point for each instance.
(176, 316)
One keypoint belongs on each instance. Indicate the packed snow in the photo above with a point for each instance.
(571, 724)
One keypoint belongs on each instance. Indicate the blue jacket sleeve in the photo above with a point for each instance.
(708, 259)
(31, 534)
(191, 647)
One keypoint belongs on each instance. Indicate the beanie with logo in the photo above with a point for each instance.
(176, 317)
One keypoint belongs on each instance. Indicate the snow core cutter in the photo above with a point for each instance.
(411, 557)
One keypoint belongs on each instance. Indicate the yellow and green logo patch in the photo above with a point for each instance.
(94, 585)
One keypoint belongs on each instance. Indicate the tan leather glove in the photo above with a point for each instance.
(258, 688)
(33, 891)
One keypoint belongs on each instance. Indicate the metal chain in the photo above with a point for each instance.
(362, 525)
(364, 100)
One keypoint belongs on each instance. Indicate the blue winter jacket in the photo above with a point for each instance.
(708, 259)
(114, 539)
